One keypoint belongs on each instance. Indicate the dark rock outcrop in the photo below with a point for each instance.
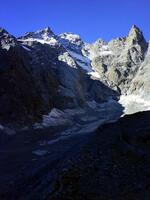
(114, 165)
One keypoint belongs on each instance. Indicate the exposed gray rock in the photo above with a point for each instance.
(122, 58)
(41, 71)
(141, 82)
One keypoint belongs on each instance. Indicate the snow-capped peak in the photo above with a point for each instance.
(44, 33)
(44, 36)
(40, 34)
(71, 38)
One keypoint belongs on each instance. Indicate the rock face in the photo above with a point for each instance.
(41, 71)
(118, 61)
(137, 98)
(19, 98)
(140, 83)
(38, 74)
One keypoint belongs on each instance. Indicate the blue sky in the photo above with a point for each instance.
(91, 19)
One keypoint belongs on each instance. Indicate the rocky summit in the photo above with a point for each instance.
(56, 90)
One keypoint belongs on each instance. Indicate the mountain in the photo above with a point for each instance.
(42, 73)
(63, 133)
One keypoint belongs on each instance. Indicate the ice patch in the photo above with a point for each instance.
(81, 60)
(26, 48)
(134, 103)
(40, 152)
(56, 118)
(94, 74)
(84, 66)
(105, 53)
(78, 56)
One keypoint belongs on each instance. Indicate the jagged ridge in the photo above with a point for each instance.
(61, 71)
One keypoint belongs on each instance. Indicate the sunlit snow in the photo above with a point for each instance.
(134, 103)
(51, 41)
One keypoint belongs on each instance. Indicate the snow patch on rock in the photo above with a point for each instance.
(134, 103)
(94, 74)
(81, 60)
(40, 152)
(26, 48)
(55, 118)
(71, 38)
(51, 41)
(65, 57)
